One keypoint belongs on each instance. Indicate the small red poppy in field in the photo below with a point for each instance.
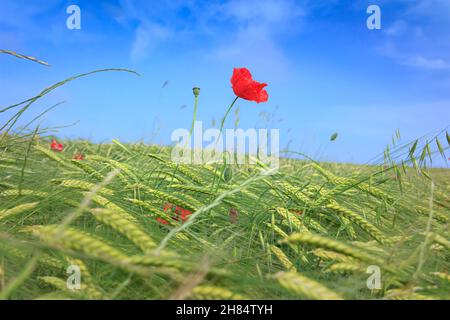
(55, 146)
(162, 221)
(246, 88)
(179, 212)
(78, 156)
(184, 214)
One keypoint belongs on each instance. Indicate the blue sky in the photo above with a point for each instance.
(326, 71)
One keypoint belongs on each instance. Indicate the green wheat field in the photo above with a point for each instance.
(311, 230)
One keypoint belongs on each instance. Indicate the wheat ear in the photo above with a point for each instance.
(87, 283)
(205, 292)
(291, 220)
(333, 245)
(17, 209)
(282, 258)
(360, 221)
(53, 156)
(83, 185)
(304, 287)
(88, 169)
(126, 227)
(74, 239)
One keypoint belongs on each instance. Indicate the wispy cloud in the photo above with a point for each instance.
(426, 63)
(398, 28)
(434, 9)
(20, 16)
(149, 29)
(147, 36)
(418, 37)
(413, 59)
(256, 28)
(265, 11)
(242, 31)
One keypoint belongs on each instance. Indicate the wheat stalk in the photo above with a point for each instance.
(344, 183)
(88, 169)
(345, 267)
(22, 56)
(83, 185)
(333, 245)
(58, 283)
(206, 292)
(193, 205)
(442, 275)
(282, 258)
(198, 189)
(331, 255)
(294, 192)
(440, 240)
(170, 260)
(17, 210)
(74, 239)
(191, 174)
(291, 220)
(304, 287)
(126, 227)
(406, 294)
(23, 192)
(113, 207)
(87, 283)
(52, 155)
(124, 169)
(358, 220)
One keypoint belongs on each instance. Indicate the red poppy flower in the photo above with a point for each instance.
(246, 88)
(162, 221)
(184, 214)
(78, 156)
(179, 212)
(55, 146)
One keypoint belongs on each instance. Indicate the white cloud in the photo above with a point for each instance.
(253, 47)
(397, 28)
(243, 32)
(149, 30)
(265, 11)
(426, 63)
(434, 9)
(18, 17)
(419, 37)
(147, 36)
(407, 58)
(255, 28)
(20, 13)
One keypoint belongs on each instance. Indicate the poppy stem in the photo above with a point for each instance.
(195, 116)
(226, 115)
(223, 120)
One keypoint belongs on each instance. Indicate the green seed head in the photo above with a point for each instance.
(196, 91)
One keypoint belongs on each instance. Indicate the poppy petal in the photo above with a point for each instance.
(246, 88)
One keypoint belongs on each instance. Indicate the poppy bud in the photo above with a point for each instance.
(227, 174)
(233, 215)
(196, 91)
